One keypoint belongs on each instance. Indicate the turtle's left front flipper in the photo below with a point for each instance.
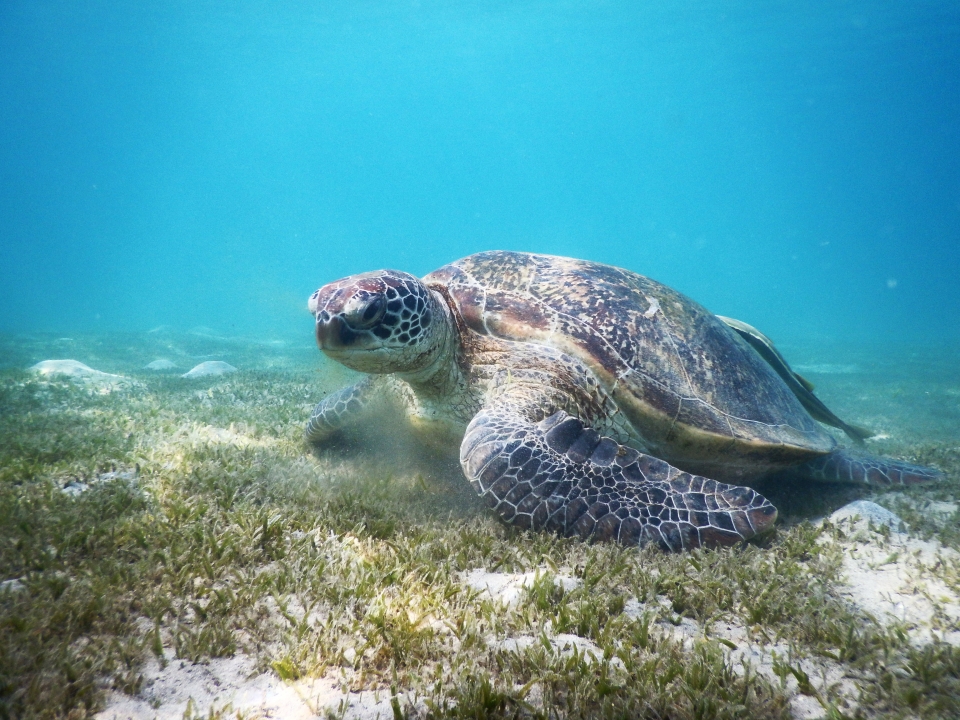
(845, 466)
(559, 475)
(340, 409)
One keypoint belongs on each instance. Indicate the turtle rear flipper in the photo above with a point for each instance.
(560, 475)
(844, 466)
(800, 386)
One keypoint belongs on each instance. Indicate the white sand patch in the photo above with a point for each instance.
(508, 588)
(898, 578)
(772, 660)
(78, 372)
(563, 644)
(769, 659)
(210, 368)
(182, 689)
(329, 701)
(169, 692)
(943, 509)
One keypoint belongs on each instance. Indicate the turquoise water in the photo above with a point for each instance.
(796, 165)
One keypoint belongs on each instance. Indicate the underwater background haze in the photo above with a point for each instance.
(794, 165)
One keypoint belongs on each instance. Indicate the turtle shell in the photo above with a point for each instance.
(696, 394)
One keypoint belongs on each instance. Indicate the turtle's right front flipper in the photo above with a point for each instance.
(339, 409)
(560, 475)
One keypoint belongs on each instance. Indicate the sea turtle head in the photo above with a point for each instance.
(385, 321)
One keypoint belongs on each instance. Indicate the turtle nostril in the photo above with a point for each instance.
(328, 330)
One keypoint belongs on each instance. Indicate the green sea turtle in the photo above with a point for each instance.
(585, 399)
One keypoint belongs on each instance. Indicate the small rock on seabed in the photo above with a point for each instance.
(70, 368)
(209, 369)
(160, 365)
(869, 511)
(77, 371)
(12, 586)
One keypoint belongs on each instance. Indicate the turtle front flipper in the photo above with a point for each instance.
(339, 409)
(562, 476)
(845, 466)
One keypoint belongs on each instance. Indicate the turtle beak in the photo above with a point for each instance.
(326, 329)
(333, 333)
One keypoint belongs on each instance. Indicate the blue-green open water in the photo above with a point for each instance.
(793, 164)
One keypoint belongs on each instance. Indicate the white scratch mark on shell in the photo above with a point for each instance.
(654, 306)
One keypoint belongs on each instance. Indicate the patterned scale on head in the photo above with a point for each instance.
(377, 322)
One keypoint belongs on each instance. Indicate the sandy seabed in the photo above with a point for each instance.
(892, 569)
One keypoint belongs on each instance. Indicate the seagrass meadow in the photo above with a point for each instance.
(152, 524)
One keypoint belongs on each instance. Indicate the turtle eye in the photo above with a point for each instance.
(372, 312)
